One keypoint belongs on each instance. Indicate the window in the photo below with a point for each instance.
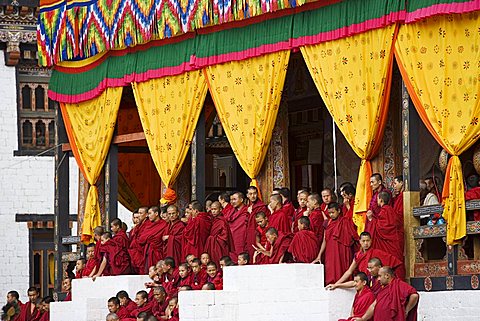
(36, 113)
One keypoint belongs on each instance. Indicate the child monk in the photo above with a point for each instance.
(115, 259)
(120, 236)
(90, 265)
(262, 227)
(214, 276)
(67, 287)
(340, 237)
(279, 218)
(171, 312)
(243, 258)
(363, 298)
(79, 268)
(126, 302)
(220, 241)
(204, 259)
(226, 261)
(185, 277)
(199, 276)
(169, 275)
(305, 245)
(302, 207)
(279, 247)
(315, 214)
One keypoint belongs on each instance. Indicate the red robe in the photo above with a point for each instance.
(348, 213)
(169, 282)
(26, 314)
(261, 233)
(121, 238)
(198, 280)
(147, 307)
(237, 221)
(280, 220)
(151, 240)
(195, 234)
(118, 261)
(398, 208)
(131, 305)
(280, 247)
(384, 232)
(340, 237)
(304, 246)
(251, 233)
(374, 284)
(185, 281)
(474, 194)
(298, 214)
(220, 242)
(289, 210)
(135, 250)
(392, 300)
(45, 316)
(324, 209)
(158, 308)
(123, 313)
(217, 281)
(316, 223)
(68, 297)
(362, 301)
(89, 266)
(362, 258)
(173, 245)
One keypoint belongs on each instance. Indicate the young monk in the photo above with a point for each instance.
(199, 276)
(262, 227)
(226, 261)
(171, 312)
(79, 268)
(397, 301)
(279, 218)
(151, 238)
(340, 238)
(114, 306)
(185, 277)
(284, 192)
(361, 258)
(315, 215)
(302, 207)
(197, 231)
(174, 238)
(115, 260)
(120, 236)
(243, 259)
(45, 316)
(126, 302)
(143, 305)
(227, 208)
(220, 241)
(347, 191)
(254, 206)
(305, 245)
(137, 250)
(237, 221)
(327, 198)
(189, 258)
(363, 298)
(204, 259)
(29, 311)
(279, 248)
(214, 276)
(67, 288)
(169, 275)
(90, 265)
(97, 236)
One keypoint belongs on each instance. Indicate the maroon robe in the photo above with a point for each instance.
(398, 208)
(392, 301)
(348, 213)
(89, 267)
(298, 214)
(121, 238)
(123, 313)
(324, 210)
(474, 194)
(289, 210)
(147, 307)
(217, 280)
(198, 280)
(280, 247)
(185, 281)
(316, 223)
(118, 261)
(220, 241)
(68, 297)
(151, 240)
(384, 232)
(374, 284)
(237, 221)
(362, 301)
(362, 258)
(251, 232)
(131, 305)
(173, 245)
(374, 207)
(135, 250)
(26, 313)
(45, 316)
(304, 246)
(340, 237)
(195, 234)
(158, 308)
(169, 281)
(280, 220)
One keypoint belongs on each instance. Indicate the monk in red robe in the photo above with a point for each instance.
(262, 227)
(199, 275)
(126, 302)
(361, 258)
(384, 228)
(305, 245)
(115, 259)
(159, 302)
(473, 193)
(67, 288)
(327, 198)
(143, 305)
(237, 221)
(287, 205)
(114, 306)
(97, 236)
(197, 231)
(119, 235)
(397, 301)
(168, 275)
(227, 208)
(91, 263)
(220, 241)
(338, 244)
(243, 259)
(214, 276)
(185, 276)
(254, 206)
(315, 215)
(348, 193)
(45, 313)
(302, 207)
(279, 248)
(376, 182)
(398, 189)
(363, 298)
(174, 238)
(29, 311)
(152, 237)
(279, 218)
(136, 250)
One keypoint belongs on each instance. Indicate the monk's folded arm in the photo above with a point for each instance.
(412, 301)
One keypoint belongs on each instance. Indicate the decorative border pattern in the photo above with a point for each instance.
(431, 269)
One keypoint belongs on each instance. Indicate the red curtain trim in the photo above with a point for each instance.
(442, 8)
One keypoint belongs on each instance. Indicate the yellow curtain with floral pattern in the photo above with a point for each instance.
(353, 76)
(247, 95)
(90, 126)
(169, 108)
(440, 61)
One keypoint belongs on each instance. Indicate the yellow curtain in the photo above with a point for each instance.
(90, 126)
(440, 61)
(247, 94)
(353, 76)
(169, 108)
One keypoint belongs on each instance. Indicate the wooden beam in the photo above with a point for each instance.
(40, 217)
(119, 139)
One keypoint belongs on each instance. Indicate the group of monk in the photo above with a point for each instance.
(189, 252)
(36, 309)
